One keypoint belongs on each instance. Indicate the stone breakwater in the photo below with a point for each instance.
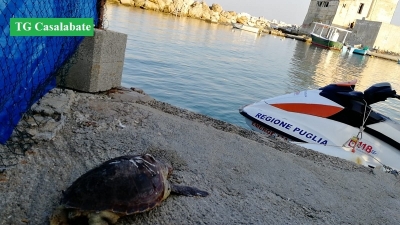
(199, 10)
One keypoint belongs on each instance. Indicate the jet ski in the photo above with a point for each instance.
(335, 120)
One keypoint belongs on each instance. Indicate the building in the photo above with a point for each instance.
(369, 20)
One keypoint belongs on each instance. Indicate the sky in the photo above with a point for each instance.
(288, 11)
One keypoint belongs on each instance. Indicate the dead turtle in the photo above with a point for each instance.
(121, 186)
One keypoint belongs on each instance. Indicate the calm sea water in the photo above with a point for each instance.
(214, 70)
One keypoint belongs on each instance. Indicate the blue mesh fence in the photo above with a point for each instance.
(28, 65)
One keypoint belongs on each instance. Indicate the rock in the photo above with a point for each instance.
(167, 4)
(149, 5)
(206, 11)
(216, 8)
(138, 90)
(127, 2)
(139, 3)
(242, 20)
(196, 10)
(261, 22)
(161, 5)
(227, 17)
(181, 7)
(233, 13)
(169, 8)
(214, 17)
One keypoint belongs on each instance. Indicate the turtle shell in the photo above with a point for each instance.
(124, 185)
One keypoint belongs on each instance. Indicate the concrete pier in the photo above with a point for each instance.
(384, 56)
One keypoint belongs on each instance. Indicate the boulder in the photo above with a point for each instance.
(157, 5)
(206, 11)
(214, 17)
(261, 22)
(161, 6)
(227, 17)
(151, 5)
(196, 10)
(244, 14)
(242, 19)
(169, 8)
(232, 13)
(216, 8)
(181, 7)
(165, 5)
(139, 3)
(124, 2)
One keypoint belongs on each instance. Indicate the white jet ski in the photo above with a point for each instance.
(334, 120)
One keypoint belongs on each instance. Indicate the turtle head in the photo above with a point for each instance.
(168, 169)
(166, 173)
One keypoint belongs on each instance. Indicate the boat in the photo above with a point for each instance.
(335, 120)
(328, 36)
(289, 30)
(358, 49)
(361, 51)
(246, 27)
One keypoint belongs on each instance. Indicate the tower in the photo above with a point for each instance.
(344, 13)
(382, 10)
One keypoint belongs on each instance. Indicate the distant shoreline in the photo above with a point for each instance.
(213, 14)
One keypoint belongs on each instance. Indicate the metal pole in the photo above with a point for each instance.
(344, 39)
(314, 27)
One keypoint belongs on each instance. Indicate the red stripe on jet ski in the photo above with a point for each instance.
(310, 109)
(347, 84)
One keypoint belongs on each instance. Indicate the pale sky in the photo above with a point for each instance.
(288, 11)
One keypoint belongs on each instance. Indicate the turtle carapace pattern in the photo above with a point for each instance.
(121, 186)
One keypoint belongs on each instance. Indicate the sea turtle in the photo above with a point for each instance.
(121, 186)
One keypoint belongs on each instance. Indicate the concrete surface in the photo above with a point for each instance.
(384, 56)
(251, 179)
(97, 65)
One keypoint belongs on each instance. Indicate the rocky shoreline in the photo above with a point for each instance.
(200, 10)
(216, 14)
(251, 179)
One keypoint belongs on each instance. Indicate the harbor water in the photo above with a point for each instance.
(214, 70)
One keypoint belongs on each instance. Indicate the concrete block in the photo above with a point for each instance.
(97, 64)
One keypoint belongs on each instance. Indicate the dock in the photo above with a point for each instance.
(384, 56)
(305, 38)
(299, 37)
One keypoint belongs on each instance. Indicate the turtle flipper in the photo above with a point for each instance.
(187, 191)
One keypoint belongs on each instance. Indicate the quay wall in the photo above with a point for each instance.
(382, 37)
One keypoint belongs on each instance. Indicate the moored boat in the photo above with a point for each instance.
(334, 120)
(246, 27)
(327, 36)
(358, 49)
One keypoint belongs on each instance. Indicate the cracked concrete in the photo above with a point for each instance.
(251, 179)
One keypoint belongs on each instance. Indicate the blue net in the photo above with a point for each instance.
(28, 65)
